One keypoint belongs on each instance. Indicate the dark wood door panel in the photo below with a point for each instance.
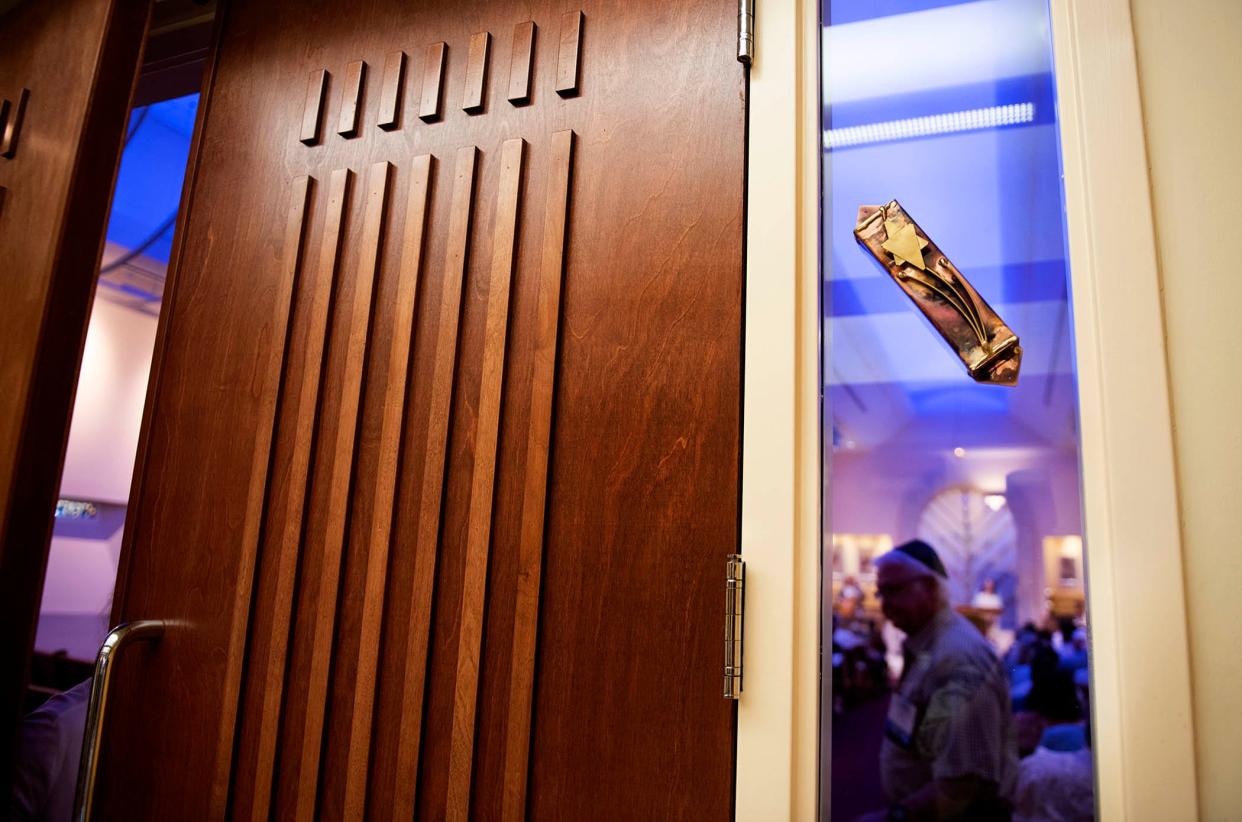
(443, 461)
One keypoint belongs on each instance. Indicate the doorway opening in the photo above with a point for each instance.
(89, 521)
(112, 386)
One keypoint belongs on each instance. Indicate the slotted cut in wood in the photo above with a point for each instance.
(483, 480)
(390, 92)
(12, 125)
(433, 81)
(390, 366)
(535, 478)
(351, 98)
(571, 46)
(520, 62)
(432, 482)
(282, 532)
(335, 445)
(476, 72)
(312, 114)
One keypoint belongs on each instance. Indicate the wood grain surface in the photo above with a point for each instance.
(503, 471)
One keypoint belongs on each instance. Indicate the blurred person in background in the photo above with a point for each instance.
(950, 749)
(47, 758)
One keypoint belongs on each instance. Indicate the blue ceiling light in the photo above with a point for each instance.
(966, 401)
(148, 186)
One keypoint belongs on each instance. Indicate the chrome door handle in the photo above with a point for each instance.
(143, 630)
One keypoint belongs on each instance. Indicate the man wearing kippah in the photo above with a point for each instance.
(949, 748)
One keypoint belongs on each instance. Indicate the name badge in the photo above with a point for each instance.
(903, 720)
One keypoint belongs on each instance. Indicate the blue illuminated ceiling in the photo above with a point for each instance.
(837, 12)
(145, 201)
(986, 185)
(148, 187)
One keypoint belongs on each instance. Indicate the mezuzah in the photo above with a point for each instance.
(987, 347)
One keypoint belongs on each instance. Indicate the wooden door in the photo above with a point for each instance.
(442, 458)
(66, 72)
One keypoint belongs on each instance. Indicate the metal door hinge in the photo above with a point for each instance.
(746, 31)
(735, 609)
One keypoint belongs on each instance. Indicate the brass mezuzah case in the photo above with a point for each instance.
(987, 347)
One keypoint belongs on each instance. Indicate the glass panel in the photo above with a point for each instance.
(949, 108)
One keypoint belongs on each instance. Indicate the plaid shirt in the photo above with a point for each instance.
(965, 727)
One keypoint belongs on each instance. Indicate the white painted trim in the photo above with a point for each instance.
(778, 726)
(1140, 657)
(1142, 699)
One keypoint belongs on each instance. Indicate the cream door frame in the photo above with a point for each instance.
(1144, 734)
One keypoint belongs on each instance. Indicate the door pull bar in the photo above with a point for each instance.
(143, 630)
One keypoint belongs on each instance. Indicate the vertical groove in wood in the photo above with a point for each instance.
(394, 368)
(13, 125)
(482, 483)
(433, 80)
(338, 450)
(432, 487)
(567, 61)
(520, 62)
(274, 340)
(312, 114)
(351, 98)
(390, 92)
(535, 479)
(5, 106)
(476, 72)
(260, 475)
(282, 536)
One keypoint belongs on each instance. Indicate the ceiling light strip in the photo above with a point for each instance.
(950, 123)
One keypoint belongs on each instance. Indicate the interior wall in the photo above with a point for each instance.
(107, 413)
(884, 491)
(99, 462)
(1190, 73)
